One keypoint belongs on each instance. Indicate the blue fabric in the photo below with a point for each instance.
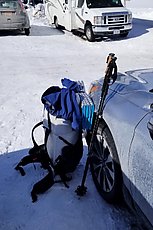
(64, 104)
(72, 85)
(87, 108)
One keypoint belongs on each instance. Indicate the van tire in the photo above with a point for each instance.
(56, 23)
(124, 35)
(89, 33)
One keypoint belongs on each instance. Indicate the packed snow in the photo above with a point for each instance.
(29, 65)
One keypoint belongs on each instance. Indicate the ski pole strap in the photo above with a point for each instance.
(111, 70)
(110, 74)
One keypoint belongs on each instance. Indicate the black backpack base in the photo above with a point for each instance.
(65, 163)
(42, 186)
(75, 107)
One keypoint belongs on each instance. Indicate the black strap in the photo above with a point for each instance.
(65, 141)
(32, 133)
(47, 132)
(49, 122)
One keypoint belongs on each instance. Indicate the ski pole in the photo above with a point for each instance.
(110, 74)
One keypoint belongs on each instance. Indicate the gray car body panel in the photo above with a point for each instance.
(127, 112)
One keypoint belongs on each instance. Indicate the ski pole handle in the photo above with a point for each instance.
(111, 69)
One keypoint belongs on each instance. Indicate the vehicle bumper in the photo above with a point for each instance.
(111, 30)
(14, 26)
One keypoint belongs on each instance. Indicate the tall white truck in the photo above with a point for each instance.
(92, 17)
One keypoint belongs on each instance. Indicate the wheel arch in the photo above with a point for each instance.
(87, 23)
(116, 189)
(105, 124)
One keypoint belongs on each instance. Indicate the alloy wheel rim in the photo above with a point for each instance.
(103, 164)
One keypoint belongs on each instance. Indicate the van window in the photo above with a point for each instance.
(80, 3)
(104, 3)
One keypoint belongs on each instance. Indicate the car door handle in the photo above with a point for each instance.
(150, 128)
(151, 106)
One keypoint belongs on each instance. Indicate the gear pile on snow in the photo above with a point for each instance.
(68, 112)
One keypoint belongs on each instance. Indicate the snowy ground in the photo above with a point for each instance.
(28, 66)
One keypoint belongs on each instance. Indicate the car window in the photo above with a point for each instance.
(8, 4)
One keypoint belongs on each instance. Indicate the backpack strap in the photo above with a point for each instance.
(32, 133)
(65, 141)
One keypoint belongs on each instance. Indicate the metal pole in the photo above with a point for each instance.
(111, 72)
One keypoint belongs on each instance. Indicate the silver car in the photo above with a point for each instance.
(122, 160)
(13, 16)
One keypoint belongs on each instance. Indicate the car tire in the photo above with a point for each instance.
(89, 33)
(105, 167)
(27, 31)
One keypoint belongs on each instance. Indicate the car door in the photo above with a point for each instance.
(141, 165)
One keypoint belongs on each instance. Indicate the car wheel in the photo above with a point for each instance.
(105, 167)
(27, 31)
(89, 33)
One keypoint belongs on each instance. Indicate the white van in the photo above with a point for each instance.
(92, 17)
